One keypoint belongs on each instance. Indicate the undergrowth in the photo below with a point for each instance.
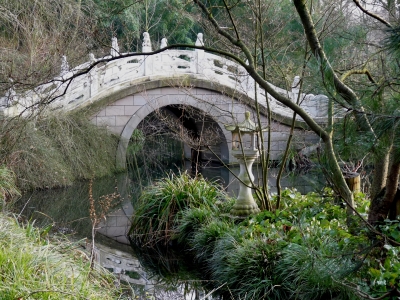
(156, 211)
(302, 251)
(55, 150)
(31, 267)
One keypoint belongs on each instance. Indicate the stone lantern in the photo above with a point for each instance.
(244, 148)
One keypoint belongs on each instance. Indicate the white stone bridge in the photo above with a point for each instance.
(122, 91)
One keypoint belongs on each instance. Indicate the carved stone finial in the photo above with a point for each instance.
(296, 81)
(199, 41)
(164, 43)
(64, 65)
(10, 95)
(114, 47)
(146, 46)
(92, 59)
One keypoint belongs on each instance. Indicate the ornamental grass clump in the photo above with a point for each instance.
(155, 213)
(247, 267)
(316, 273)
(31, 267)
(192, 221)
(204, 240)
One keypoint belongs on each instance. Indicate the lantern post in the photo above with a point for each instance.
(244, 149)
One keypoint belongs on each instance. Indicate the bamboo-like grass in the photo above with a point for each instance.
(155, 212)
(31, 267)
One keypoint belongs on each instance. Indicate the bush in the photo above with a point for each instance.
(8, 188)
(154, 220)
(316, 273)
(204, 240)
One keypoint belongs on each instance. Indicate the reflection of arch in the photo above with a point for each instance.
(163, 101)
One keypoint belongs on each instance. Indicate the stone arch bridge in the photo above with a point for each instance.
(121, 92)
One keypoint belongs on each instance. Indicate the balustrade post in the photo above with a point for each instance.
(93, 76)
(295, 88)
(200, 55)
(148, 59)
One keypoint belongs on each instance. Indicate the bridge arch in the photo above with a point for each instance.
(122, 110)
(119, 92)
(166, 101)
(123, 107)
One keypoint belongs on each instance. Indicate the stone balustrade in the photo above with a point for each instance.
(69, 91)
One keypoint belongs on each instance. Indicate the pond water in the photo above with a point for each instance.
(148, 274)
(68, 210)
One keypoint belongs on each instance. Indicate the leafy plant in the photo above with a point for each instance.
(154, 220)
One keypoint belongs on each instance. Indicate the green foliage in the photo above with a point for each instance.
(154, 220)
(128, 20)
(311, 272)
(383, 270)
(247, 266)
(203, 242)
(195, 222)
(8, 188)
(31, 267)
(385, 275)
(55, 150)
(302, 251)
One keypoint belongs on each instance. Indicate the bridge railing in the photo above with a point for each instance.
(69, 92)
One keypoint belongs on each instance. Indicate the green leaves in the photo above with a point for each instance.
(157, 209)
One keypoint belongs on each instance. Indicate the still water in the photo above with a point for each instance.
(67, 209)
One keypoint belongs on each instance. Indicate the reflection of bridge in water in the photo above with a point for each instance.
(120, 90)
(128, 269)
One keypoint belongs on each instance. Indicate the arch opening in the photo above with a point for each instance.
(173, 133)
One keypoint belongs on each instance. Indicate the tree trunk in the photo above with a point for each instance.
(395, 208)
(380, 174)
(338, 179)
(380, 205)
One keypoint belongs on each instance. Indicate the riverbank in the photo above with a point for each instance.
(33, 266)
(304, 250)
(56, 150)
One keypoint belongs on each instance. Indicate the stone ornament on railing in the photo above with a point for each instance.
(114, 47)
(64, 66)
(146, 46)
(10, 95)
(92, 59)
(198, 63)
(199, 41)
(164, 43)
